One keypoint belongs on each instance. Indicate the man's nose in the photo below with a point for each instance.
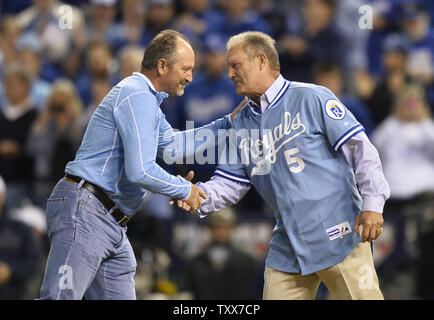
(189, 77)
(230, 74)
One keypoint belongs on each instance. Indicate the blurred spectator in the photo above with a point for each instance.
(221, 270)
(100, 88)
(130, 30)
(405, 142)
(16, 118)
(241, 17)
(416, 27)
(272, 13)
(378, 95)
(355, 38)
(329, 75)
(55, 137)
(320, 39)
(14, 6)
(130, 59)
(429, 5)
(43, 19)
(210, 96)
(198, 19)
(420, 58)
(100, 25)
(385, 21)
(98, 67)
(160, 16)
(29, 55)
(9, 34)
(19, 254)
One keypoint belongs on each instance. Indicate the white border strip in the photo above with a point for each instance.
(232, 177)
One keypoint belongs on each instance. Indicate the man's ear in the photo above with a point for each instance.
(261, 60)
(162, 66)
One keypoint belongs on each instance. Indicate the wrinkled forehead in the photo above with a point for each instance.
(236, 54)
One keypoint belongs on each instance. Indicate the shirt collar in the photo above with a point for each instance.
(159, 94)
(270, 94)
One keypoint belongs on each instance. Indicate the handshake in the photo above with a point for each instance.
(194, 200)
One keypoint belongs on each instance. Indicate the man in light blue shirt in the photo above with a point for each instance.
(113, 170)
(311, 161)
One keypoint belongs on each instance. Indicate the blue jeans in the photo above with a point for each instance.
(90, 253)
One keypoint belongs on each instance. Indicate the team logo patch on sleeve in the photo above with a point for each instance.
(335, 109)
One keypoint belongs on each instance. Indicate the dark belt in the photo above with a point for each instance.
(108, 203)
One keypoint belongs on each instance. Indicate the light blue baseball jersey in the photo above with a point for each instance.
(290, 154)
(125, 135)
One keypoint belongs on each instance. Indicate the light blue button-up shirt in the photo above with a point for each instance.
(124, 136)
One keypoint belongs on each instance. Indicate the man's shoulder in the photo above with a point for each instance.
(306, 88)
(310, 92)
(130, 87)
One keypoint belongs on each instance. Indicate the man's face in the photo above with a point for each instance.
(242, 71)
(16, 89)
(181, 71)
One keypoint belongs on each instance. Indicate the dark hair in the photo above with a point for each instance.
(323, 67)
(162, 46)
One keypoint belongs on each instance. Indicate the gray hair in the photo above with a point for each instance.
(254, 43)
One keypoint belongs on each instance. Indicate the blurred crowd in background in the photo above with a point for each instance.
(55, 70)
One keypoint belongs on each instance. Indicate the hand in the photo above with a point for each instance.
(5, 273)
(238, 108)
(182, 204)
(194, 201)
(371, 223)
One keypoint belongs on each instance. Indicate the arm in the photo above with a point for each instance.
(222, 192)
(173, 146)
(136, 119)
(362, 156)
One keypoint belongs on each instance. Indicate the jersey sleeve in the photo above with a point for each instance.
(230, 165)
(229, 184)
(337, 123)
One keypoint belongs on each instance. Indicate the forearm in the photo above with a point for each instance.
(362, 156)
(155, 179)
(186, 144)
(221, 193)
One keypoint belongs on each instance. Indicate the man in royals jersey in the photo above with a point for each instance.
(311, 161)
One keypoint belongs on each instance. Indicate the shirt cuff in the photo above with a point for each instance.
(200, 214)
(189, 192)
(375, 204)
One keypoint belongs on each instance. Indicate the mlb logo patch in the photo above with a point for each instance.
(338, 231)
(335, 109)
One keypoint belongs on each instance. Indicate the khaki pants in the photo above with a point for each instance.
(354, 278)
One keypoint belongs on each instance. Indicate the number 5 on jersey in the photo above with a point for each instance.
(290, 159)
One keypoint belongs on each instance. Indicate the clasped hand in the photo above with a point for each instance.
(194, 200)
